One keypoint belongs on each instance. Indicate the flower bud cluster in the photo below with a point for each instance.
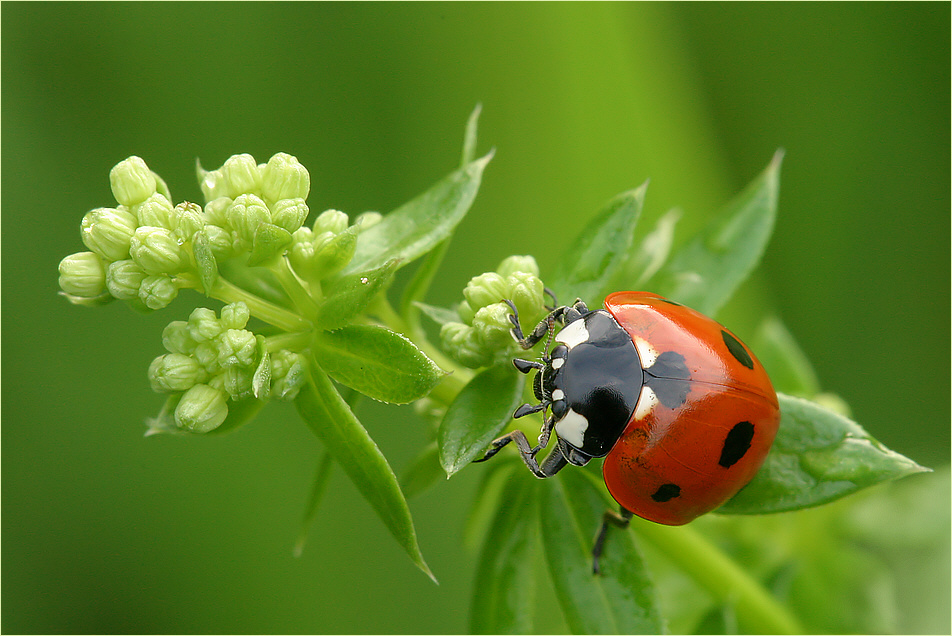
(482, 336)
(328, 245)
(213, 359)
(243, 196)
(137, 248)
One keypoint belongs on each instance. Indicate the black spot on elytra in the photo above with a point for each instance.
(668, 378)
(737, 350)
(667, 492)
(737, 444)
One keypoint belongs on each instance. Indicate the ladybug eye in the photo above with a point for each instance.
(559, 409)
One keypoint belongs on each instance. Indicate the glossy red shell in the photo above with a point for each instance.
(682, 446)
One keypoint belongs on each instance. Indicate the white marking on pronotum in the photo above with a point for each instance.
(646, 352)
(573, 334)
(558, 395)
(557, 363)
(646, 402)
(572, 428)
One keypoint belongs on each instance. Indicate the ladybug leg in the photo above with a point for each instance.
(618, 519)
(552, 464)
(563, 315)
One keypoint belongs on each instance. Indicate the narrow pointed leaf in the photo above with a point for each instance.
(322, 477)
(469, 138)
(790, 370)
(205, 261)
(477, 415)
(348, 296)
(377, 362)
(504, 592)
(269, 241)
(620, 600)
(418, 226)
(705, 272)
(817, 457)
(600, 251)
(330, 418)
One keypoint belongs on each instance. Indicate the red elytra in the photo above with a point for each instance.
(671, 465)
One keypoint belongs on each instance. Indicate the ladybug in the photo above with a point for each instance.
(678, 406)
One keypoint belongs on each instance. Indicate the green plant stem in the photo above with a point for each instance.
(757, 610)
(300, 296)
(270, 313)
(291, 341)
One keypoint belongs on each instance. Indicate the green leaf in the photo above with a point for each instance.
(347, 297)
(483, 407)
(377, 362)
(239, 414)
(205, 261)
(422, 472)
(705, 272)
(650, 255)
(418, 226)
(620, 600)
(504, 591)
(261, 381)
(469, 138)
(318, 488)
(439, 315)
(330, 418)
(599, 251)
(269, 241)
(817, 457)
(790, 370)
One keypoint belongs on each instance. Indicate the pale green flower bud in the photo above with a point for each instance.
(460, 342)
(176, 338)
(238, 382)
(289, 214)
(82, 274)
(466, 312)
(187, 218)
(485, 289)
(108, 232)
(201, 409)
(333, 221)
(288, 374)
(221, 242)
(207, 355)
(213, 183)
(246, 214)
(123, 279)
(491, 326)
(175, 372)
(156, 251)
(156, 211)
(514, 264)
(132, 182)
(368, 220)
(241, 174)
(332, 253)
(157, 291)
(236, 347)
(235, 316)
(301, 255)
(526, 291)
(302, 235)
(216, 211)
(203, 325)
(285, 178)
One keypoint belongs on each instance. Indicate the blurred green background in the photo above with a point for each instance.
(105, 531)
